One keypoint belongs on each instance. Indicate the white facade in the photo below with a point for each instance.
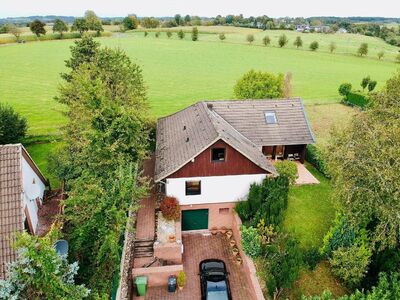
(33, 190)
(214, 189)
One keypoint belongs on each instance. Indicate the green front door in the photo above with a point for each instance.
(195, 219)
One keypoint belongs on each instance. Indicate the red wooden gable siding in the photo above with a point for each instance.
(235, 164)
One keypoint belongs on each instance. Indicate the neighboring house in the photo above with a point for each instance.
(209, 154)
(22, 187)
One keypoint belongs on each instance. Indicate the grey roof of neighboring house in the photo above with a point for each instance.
(185, 134)
(11, 205)
(247, 117)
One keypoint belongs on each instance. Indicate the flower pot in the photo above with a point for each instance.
(229, 234)
(238, 260)
(214, 230)
(232, 243)
(223, 230)
(235, 251)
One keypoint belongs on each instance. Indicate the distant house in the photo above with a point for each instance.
(208, 155)
(22, 188)
(342, 30)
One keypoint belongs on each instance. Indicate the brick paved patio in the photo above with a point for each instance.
(305, 176)
(198, 247)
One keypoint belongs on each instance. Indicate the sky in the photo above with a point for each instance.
(159, 8)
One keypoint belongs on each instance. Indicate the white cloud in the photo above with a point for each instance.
(306, 8)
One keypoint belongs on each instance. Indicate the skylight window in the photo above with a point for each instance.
(270, 117)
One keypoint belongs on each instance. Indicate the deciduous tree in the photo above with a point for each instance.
(314, 46)
(363, 49)
(80, 25)
(332, 47)
(221, 37)
(283, 40)
(250, 38)
(381, 54)
(266, 40)
(60, 27)
(298, 42)
(15, 31)
(37, 27)
(259, 85)
(40, 273)
(364, 160)
(195, 34)
(181, 34)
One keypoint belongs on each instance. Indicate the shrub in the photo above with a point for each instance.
(398, 58)
(251, 241)
(315, 156)
(314, 46)
(259, 85)
(363, 50)
(157, 34)
(195, 34)
(181, 34)
(312, 257)
(169, 34)
(222, 36)
(341, 234)
(146, 33)
(169, 207)
(381, 54)
(250, 38)
(284, 260)
(266, 40)
(181, 279)
(12, 126)
(357, 99)
(365, 81)
(371, 85)
(332, 47)
(282, 41)
(244, 211)
(345, 89)
(288, 169)
(350, 264)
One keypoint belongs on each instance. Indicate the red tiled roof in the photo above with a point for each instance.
(11, 205)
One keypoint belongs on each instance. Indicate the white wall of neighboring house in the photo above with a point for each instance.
(33, 187)
(214, 189)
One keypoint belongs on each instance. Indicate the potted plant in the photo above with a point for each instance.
(214, 230)
(181, 280)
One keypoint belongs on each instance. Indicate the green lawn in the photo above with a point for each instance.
(310, 211)
(179, 73)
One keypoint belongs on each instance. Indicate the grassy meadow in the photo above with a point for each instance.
(180, 72)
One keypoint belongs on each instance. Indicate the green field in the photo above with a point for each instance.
(179, 73)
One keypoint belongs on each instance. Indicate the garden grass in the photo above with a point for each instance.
(310, 211)
(314, 282)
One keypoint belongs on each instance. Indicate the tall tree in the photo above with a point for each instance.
(178, 19)
(266, 40)
(80, 25)
(250, 38)
(37, 27)
(130, 22)
(364, 160)
(93, 22)
(15, 31)
(60, 27)
(106, 137)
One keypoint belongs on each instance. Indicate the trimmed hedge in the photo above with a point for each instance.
(316, 157)
(357, 99)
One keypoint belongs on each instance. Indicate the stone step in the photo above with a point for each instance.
(144, 254)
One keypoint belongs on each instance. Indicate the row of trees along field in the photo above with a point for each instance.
(105, 140)
(90, 22)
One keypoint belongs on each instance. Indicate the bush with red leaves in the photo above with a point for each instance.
(169, 207)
